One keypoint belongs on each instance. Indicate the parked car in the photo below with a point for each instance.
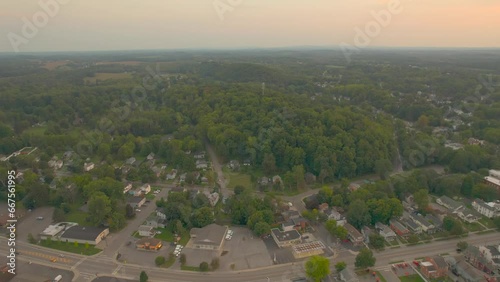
(137, 210)
(39, 218)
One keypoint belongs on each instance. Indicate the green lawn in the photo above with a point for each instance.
(168, 263)
(382, 279)
(79, 217)
(168, 236)
(487, 222)
(190, 268)
(237, 178)
(473, 227)
(71, 247)
(411, 278)
(150, 196)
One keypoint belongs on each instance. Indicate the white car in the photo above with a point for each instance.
(230, 232)
(137, 210)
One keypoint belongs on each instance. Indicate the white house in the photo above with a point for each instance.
(146, 231)
(146, 188)
(127, 188)
(88, 166)
(201, 164)
(489, 210)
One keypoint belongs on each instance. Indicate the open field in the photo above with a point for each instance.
(55, 64)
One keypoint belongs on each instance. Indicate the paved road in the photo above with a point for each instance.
(116, 240)
(217, 167)
(84, 267)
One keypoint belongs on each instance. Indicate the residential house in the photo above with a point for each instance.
(476, 257)
(160, 213)
(146, 231)
(201, 164)
(172, 174)
(286, 238)
(277, 180)
(385, 231)
(434, 267)
(56, 164)
(247, 162)
(489, 210)
(449, 203)
(157, 171)
(323, 207)
(492, 254)
(151, 156)
(155, 221)
(137, 192)
(348, 275)
(465, 271)
(213, 198)
(150, 244)
(234, 165)
(146, 188)
(182, 177)
(300, 223)
(264, 181)
(204, 180)
(426, 226)
(130, 161)
(412, 226)
(436, 221)
(334, 214)
(354, 235)
(399, 228)
(494, 173)
(288, 225)
(88, 166)
(289, 214)
(468, 215)
(136, 202)
(493, 179)
(199, 155)
(67, 155)
(367, 231)
(127, 188)
(210, 237)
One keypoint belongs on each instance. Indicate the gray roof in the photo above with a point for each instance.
(349, 275)
(284, 236)
(211, 234)
(421, 220)
(135, 200)
(440, 262)
(78, 232)
(411, 225)
(450, 202)
(434, 220)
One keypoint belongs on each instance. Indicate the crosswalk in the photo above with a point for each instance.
(47, 256)
(86, 276)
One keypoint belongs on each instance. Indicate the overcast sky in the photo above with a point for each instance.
(81, 25)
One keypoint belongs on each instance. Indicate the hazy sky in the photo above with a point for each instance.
(162, 24)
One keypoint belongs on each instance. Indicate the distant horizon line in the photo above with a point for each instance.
(291, 48)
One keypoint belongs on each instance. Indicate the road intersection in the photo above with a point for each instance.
(88, 267)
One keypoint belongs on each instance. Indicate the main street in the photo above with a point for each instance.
(103, 265)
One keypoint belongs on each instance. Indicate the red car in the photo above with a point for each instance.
(416, 263)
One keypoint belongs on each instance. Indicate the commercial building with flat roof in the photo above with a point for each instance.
(85, 234)
(210, 237)
(286, 238)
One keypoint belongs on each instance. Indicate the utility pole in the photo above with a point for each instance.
(263, 88)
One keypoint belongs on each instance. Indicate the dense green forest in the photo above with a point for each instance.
(287, 112)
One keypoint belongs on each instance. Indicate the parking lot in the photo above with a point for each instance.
(30, 224)
(245, 251)
(283, 255)
(131, 254)
(36, 273)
